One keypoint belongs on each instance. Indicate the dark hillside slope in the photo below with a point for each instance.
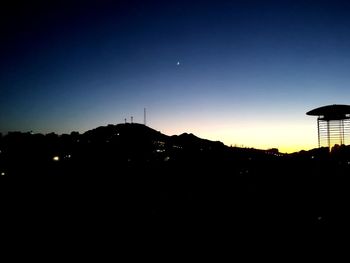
(171, 184)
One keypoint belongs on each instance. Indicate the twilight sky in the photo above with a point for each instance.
(248, 70)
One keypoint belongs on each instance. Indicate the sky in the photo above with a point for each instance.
(241, 72)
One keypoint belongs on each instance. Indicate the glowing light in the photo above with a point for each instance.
(3, 173)
(177, 147)
(285, 135)
(56, 158)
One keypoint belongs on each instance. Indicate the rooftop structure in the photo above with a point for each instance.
(333, 124)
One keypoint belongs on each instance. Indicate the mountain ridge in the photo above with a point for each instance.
(139, 132)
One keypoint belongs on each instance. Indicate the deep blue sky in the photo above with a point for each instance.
(248, 72)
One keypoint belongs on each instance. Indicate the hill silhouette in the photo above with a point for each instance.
(133, 173)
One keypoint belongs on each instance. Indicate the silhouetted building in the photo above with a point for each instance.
(333, 124)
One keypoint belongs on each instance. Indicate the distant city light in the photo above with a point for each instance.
(166, 159)
(56, 158)
(3, 173)
(159, 143)
(177, 147)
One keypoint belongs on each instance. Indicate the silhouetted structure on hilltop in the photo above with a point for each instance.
(333, 124)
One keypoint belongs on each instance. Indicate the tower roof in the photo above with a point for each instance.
(331, 112)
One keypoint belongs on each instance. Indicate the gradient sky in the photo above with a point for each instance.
(248, 72)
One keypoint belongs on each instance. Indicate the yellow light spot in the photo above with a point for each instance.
(56, 158)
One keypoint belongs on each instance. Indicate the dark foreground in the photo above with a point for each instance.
(195, 193)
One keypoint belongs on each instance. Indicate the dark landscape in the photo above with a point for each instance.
(262, 74)
(166, 185)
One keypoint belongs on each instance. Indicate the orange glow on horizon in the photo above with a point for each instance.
(287, 137)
